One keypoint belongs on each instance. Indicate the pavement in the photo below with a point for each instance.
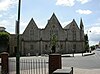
(83, 71)
(78, 54)
(86, 71)
(77, 70)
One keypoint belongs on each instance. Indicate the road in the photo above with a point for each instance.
(85, 62)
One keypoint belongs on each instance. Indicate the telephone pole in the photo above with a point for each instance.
(17, 35)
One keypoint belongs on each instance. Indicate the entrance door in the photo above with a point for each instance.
(53, 49)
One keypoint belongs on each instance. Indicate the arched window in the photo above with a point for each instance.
(46, 47)
(61, 46)
(31, 34)
(31, 47)
(74, 46)
(74, 35)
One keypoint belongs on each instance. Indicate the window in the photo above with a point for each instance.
(74, 35)
(46, 47)
(53, 26)
(61, 46)
(74, 46)
(31, 47)
(31, 33)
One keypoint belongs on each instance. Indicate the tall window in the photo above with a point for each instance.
(46, 47)
(31, 47)
(61, 46)
(74, 35)
(74, 32)
(74, 46)
(31, 34)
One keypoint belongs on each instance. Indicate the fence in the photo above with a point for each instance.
(29, 66)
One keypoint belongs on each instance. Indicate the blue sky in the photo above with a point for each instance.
(42, 10)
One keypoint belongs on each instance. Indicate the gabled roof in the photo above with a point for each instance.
(53, 17)
(70, 24)
(54, 20)
(31, 24)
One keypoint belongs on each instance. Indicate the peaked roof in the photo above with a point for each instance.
(31, 24)
(53, 19)
(69, 25)
(53, 16)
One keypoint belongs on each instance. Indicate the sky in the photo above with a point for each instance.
(42, 10)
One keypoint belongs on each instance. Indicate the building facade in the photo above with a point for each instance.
(40, 41)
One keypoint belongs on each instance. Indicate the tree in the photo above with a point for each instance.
(92, 47)
(86, 42)
(53, 43)
(4, 41)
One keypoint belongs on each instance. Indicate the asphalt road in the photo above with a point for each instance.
(85, 62)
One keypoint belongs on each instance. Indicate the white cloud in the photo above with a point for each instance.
(65, 2)
(6, 4)
(66, 23)
(93, 42)
(4, 23)
(7, 25)
(0, 15)
(94, 35)
(83, 1)
(10, 26)
(13, 16)
(84, 11)
(95, 30)
(70, 2)
(94, 38)
(23, 25)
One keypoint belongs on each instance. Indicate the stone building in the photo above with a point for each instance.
(40, 41)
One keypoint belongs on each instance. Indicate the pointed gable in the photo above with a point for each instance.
(71, 25)
(54, 18)
(53, 22)
(31, 25)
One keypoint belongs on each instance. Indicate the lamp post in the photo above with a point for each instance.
(88, 33)
(88, 38)
(17, 34)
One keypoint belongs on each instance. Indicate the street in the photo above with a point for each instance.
(84, 62)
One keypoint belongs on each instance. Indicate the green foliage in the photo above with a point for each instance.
(86, 42)
(4, 38)
(53, 40)
(86, 46)
(86, 37)
(92, 47)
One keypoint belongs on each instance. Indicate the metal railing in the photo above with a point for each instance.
(29, 66)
